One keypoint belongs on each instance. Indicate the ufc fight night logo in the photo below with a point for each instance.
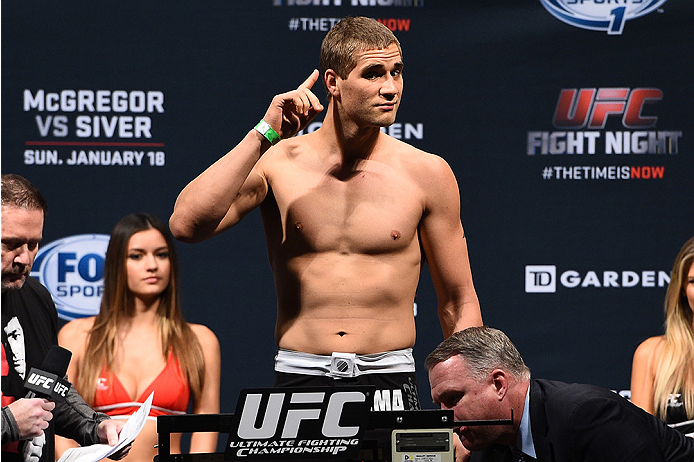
(590, 107)
(303, 423)
(582, 114)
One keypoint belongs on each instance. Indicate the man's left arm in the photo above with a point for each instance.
(75, 419)
(445, 247)
(602, 429)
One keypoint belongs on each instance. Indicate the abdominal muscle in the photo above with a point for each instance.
(352, 303)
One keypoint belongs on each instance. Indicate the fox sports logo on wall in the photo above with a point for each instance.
(72, 269)
(603, 15)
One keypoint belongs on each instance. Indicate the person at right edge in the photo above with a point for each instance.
(350, 214)
(662, 374)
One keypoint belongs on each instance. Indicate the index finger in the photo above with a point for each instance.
(312, 79)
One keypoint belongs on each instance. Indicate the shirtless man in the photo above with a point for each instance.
(347, 211)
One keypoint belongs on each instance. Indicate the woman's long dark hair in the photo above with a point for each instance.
(117, 305)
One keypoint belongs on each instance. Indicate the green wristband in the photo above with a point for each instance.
(268, 132)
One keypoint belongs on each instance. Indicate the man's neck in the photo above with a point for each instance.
(351, 141)
(516, 401)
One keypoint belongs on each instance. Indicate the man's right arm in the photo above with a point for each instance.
(10, 429)
(25, 418)
(220, 196)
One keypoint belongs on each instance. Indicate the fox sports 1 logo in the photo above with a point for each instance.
(72, 269)
(602, 15)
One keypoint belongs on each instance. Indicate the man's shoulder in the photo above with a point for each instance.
(573, 392)
(557, 385)
(402, 147)
(567, 399)
(39, 290)
(31, 288)
(419, 162)
(35, 311)
(35, 285)
(582, 418)
(32, 295)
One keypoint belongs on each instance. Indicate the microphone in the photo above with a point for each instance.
(48, 381)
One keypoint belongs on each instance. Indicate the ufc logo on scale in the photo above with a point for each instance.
(300, 422)
(590, 107)
(330, 411)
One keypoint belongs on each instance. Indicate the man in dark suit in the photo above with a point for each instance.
(479, 374)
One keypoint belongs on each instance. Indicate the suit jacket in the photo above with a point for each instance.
(584, 423)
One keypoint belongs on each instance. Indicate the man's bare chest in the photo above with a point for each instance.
(368, 212)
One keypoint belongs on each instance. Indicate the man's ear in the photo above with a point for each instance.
(331, 78)
(499, 379)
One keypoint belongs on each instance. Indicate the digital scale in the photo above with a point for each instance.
(324, 426)
(422, 445)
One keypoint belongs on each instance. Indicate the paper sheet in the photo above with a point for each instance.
(130, 430)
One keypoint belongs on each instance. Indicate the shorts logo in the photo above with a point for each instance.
(540, 278)
(600, 15)
(342, 366)
(72, 269)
